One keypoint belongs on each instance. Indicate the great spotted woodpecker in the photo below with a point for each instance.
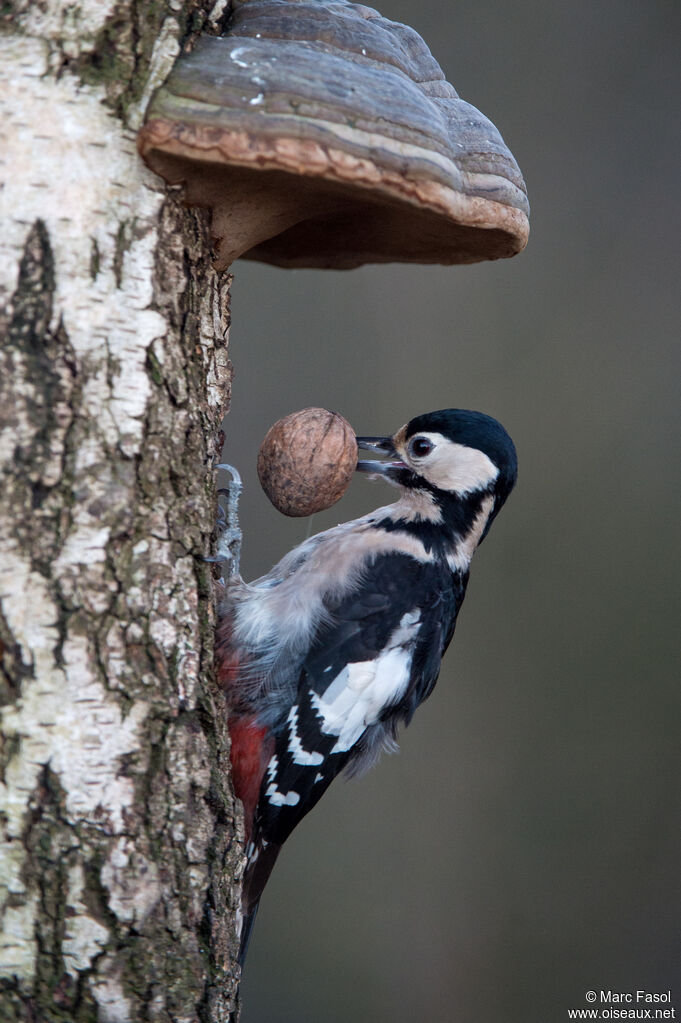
(325, 656)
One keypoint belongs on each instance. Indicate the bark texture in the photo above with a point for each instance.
(119, 848)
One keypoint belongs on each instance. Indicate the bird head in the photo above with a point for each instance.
(453, 454)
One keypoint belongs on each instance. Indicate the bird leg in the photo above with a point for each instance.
(228, 546)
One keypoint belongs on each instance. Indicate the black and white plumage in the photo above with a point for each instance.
(329, 653)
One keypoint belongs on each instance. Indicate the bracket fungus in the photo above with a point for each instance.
(321, 134)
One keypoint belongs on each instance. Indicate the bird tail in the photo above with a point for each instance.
(246, 930)
(261, 859)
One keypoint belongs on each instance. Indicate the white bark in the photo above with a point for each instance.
(116, 868)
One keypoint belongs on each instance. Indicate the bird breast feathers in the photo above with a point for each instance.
(284, 608)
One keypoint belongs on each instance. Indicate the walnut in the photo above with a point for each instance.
(306, 461)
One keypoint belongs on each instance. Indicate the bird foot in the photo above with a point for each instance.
(228, 546)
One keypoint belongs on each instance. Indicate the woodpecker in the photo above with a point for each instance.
(323, 658)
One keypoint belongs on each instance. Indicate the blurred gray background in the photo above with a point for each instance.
(524, 845)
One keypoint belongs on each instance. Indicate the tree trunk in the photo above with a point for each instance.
(119, 854)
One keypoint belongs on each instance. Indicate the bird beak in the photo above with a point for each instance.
(384, 446)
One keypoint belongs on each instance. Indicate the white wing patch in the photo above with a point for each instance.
(276, 797)
(362, 690)
(298, 754)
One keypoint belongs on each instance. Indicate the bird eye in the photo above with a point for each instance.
(420, 447)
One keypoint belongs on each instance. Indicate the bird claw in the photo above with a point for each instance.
(228, 545)
(235, 474)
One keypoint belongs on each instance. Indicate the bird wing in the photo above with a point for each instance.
(373, 658)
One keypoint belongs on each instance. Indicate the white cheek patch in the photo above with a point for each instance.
(455, 467)
(362, 690)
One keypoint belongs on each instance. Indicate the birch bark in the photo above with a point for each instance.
(119, 852)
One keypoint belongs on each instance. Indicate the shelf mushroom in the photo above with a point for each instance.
(320, 134)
